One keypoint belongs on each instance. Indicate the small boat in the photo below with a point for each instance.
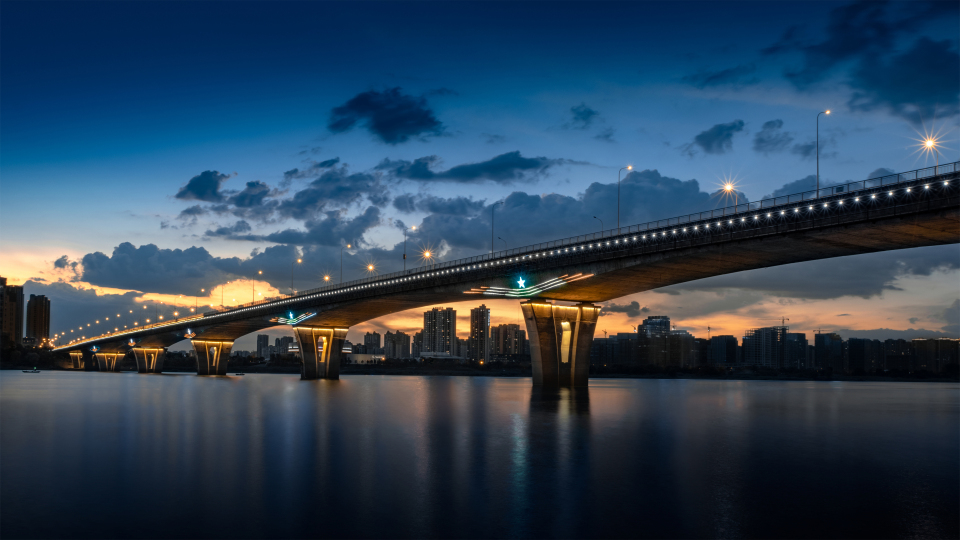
(34, 370)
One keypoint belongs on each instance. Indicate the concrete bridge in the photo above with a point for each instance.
(905, 210)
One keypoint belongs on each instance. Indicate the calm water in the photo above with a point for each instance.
(127, 455)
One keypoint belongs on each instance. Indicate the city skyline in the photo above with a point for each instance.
(238, 190)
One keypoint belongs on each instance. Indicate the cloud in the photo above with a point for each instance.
(582, 117)
(203, 187)
(807, 183)
(330, 230)
(888, 333)
(149, 268)
(74, 306)
(233, 232)
(334, 187)
(503, 169)
(882, 171)
(312, 171)
(492, 138)
(438, 205)
(911, 85)
(633, 309)
(192, 212)
(390, 115)
(913, 320)
(605, 135)
(716, 140)
(865, 38)
(952, 316)
(252, 195)
(62, 262)
(405, 203)
(771, 138)
(737, 75)
(863, 276)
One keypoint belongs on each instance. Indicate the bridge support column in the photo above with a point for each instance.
(109, 361)
(212, 356)
(149, 360)
(320, 351)
(76, 357)
(560, 339)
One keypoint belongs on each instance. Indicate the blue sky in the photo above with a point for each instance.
(434, 111)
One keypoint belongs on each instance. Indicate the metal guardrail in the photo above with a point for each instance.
(726, 212)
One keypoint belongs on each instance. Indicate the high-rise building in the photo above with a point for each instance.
(507, 339)
(795, 350)
(723, 350)
(416, 347)
(396, 345)
(829, 351)
(439, 329)
(681, 349)
(935, 354)
(865, 354)
(653, 342)
(371, 343)
(11, 312)
(897, 355)
(263, 341)
(479, 341)
(764, 346)
(38, 318)
(282, 345)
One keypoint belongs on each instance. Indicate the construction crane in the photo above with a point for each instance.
(783, 320)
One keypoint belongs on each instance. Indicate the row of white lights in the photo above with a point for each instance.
(513, 259)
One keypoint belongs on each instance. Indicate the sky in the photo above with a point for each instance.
(149, 151)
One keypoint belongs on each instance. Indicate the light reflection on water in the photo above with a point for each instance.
(127, 455)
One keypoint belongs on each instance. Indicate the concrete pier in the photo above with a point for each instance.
(149, 360)
(212, 356)
(108, 361)
(76, 359)
(560, 339)
(320, 351)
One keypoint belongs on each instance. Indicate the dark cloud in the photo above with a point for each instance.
(405, 203)
(633, 309)
(203, 187)
(437, 205)
(912, 85)
(952, 317)
(605, 135)
(252, 195)
(334, 187)
(772, 138)
(582, 117)
(192, 212)
(863, 276)
(716, 140)
(75, 306)
(865, 37)
(504, 169)
(889, 333)
(330, 230)
(882, 171)
(62, 262)
(807, 183)
(149, 268)
(737, 75)
(234, 232)
(312, 171)
(493, 139)
(390, 115)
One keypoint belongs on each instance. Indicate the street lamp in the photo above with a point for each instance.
(413, 228)
(504, 242)
(629, 168)
(348, 246)
(253, 292)
(827, 112)
(292, 265)
(601, 224)
(932, 145)
(426, 255)
(492, 207)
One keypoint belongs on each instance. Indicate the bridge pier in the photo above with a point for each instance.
(76, 358)
(560, 339)
(212, 356)
(320, 351)
(109, 361)
(149, 360)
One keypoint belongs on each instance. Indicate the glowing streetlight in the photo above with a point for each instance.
(253, 292)
(292, 265)
(348, 246)
(827, 112)
(933, 145)
(629, 168)
(326, 278)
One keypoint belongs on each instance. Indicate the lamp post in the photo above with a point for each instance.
(426, 257)
(601, 224)
(405, 245)
(504, 243)
(292, 265)
(629, 168)
(827, 112)
(492, 208)
(253, 292)
(341, 261)
(931, 145)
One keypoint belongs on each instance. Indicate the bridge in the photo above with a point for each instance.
(905, 210)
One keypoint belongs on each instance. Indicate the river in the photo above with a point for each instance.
(122, 455)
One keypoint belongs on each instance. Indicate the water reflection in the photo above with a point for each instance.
(127, 455)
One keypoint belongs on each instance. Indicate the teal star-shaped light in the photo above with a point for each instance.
(520, 282)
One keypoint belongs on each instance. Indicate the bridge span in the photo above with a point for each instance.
(912, 209)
